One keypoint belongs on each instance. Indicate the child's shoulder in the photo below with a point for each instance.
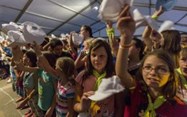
(80, 75)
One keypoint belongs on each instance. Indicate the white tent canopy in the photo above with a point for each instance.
(64, 16)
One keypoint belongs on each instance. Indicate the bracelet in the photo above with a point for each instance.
(125, 46)
(154, 17)
(110, 32)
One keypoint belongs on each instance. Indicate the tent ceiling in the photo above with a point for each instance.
(64, 16)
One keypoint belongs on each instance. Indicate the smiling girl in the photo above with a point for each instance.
(99, 66)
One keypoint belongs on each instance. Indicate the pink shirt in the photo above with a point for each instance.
(106, 106)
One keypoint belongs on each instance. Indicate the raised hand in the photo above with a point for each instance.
(17, 53)
(36, 48)
(108, 24)
(157, 13)
(125, 23)
(155, 36)
(85, 101)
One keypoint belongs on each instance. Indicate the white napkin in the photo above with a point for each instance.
(110, 9)
(10, 26)
(33, 32)
(77, 39)
(16, 38)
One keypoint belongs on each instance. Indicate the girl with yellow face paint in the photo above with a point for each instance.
(164, 80)
(154, 87)
(155, 72)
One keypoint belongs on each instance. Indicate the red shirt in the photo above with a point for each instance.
(139, 102)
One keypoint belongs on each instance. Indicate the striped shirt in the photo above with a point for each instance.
(63, 94)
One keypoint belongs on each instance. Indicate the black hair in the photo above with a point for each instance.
(88, 28)
(55, 42)
(139, 44)
(32, 57)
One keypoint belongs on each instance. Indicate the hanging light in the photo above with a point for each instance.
(96, 8)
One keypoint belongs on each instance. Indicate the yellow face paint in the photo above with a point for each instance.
(164, 79)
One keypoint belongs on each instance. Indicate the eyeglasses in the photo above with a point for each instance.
(158, 69)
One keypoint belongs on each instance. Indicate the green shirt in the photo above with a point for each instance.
(46, 90)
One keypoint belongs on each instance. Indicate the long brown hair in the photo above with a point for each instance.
(169, 89)
(172, 39)
(109, 68)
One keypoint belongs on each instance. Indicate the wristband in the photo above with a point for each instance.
(110, 32)
(125, 46)
(154, 17)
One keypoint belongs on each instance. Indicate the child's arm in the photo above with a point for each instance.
(24, 102)
(43, 62)
(147, 35)
(20, 66)
(126, 27)
(146, 38)
(81, 59)
(71, 111)
(111, 37)
(17, 54)
(71, 45)
(82, 102)
(78, 95)
(19, 76)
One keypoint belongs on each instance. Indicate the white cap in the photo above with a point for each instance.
(167, 25)
(110, 9)
(108, 87)
(16, 38)
(77, 39)
(33, 32)
(11, 26)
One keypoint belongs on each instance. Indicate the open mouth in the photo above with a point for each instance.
(97, 64)
(185, 70)
(152, 80)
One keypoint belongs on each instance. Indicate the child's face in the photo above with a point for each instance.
(58, 50)
(184, 41)
(99, 59)
(183, 63)
(155, 72)
(83, 32)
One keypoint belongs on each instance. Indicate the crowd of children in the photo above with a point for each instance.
(57, 78)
